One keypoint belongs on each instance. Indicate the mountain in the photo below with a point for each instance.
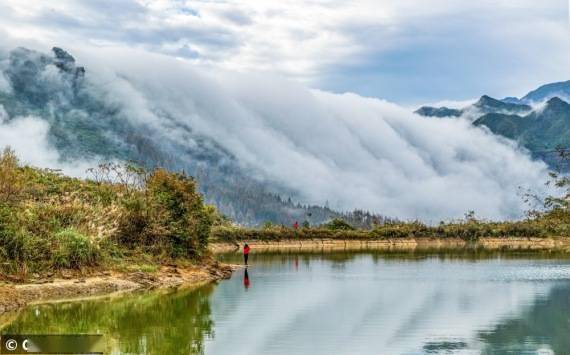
(429, 111)
(85, 124)
(508, 105)
(487, 104)
(484, 105)
(511, 100)
(544, 93)
(541, 131)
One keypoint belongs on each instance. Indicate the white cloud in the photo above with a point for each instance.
(3, 114)
(349, 150)
(28, 137)
(431, 44)
(4, 85)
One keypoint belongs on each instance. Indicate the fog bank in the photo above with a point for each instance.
(351, 151)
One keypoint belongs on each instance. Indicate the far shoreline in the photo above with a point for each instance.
(395, 244)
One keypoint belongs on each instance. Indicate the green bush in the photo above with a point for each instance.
(338, 224)
(74, 250)
(24, 252)
(471, 230)
(268, 225)
(48, 220)
(19, 250)
(168, 216)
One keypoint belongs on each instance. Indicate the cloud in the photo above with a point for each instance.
(237, 16)
(4, 85)
(3, 114)
(409, 51)
(28, 137)
(352, 151)
(457, 50)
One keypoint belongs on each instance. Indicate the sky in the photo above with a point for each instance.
(406, 51)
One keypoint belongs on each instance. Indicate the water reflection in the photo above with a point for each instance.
(246, 282)
(339, 303)
(339, 257)
(370, 303)
(156, 323)
(544, 326)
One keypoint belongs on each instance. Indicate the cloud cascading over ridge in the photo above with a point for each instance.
(352, 151)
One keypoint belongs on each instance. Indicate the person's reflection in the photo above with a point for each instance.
(296, 262)
(246, 282)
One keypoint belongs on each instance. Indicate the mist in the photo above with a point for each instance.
(344, 149)
(28, 137)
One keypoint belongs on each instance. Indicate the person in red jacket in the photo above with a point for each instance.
(245, 253)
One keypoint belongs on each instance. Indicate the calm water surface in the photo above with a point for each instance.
(339, 303)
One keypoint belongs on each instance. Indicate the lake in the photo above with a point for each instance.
(339, 303)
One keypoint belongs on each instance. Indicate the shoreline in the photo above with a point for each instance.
(101, 284)
(14, 297)
(399, 244)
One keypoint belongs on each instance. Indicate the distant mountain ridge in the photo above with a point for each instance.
(547, 92)
(429, 111)
(542, 129)
(487, 104)
(484, 105)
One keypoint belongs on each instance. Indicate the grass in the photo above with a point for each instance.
(50, 222)
(74, 249)
(552, 224)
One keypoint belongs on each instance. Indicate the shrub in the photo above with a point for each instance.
(338, 224)
(167, 215)
(50, 220)
(268, 225)
(10, 186)
(73, 250)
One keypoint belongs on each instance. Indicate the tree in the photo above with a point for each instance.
(562, 182)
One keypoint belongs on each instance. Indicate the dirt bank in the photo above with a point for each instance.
(15, 296)
(561, 243)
